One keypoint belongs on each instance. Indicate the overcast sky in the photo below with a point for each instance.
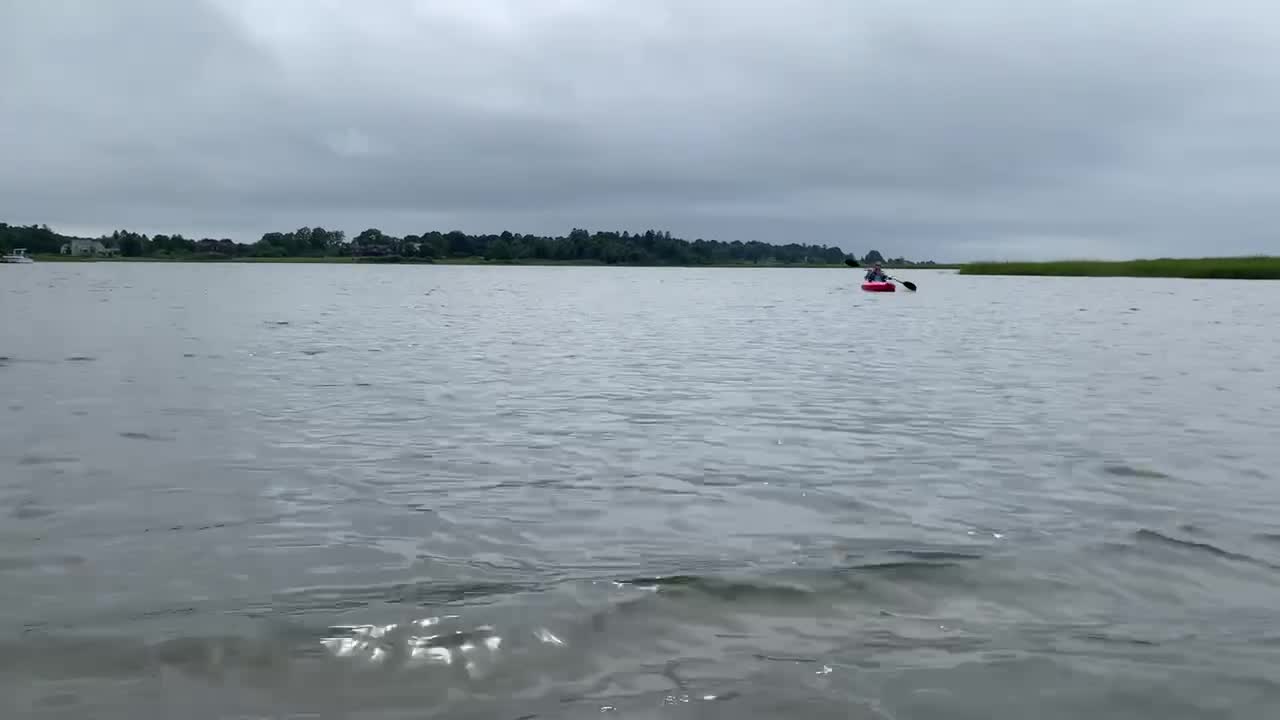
(951, 130)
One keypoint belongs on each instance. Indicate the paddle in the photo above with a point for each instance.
(908, 285)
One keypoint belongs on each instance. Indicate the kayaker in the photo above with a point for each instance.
(875, 274)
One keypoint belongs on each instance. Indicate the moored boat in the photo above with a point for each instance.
(19, 255)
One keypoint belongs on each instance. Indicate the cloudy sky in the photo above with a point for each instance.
(948, 130)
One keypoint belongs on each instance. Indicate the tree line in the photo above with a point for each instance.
(651, 247)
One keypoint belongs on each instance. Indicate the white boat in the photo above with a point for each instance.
(19, 255)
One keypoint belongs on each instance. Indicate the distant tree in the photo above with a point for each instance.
(646, 247)
(131, 244)
(371, 236)
(319, 241)
(373, 241)
(500, 250)
(460, 244)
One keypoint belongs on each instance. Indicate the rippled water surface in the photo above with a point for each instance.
(290, 491)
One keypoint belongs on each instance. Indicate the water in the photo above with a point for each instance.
(288, 491)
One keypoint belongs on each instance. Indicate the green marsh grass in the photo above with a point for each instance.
(1259, 267)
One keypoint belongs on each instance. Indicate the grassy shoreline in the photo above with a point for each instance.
(339, 260)
(1222, 268)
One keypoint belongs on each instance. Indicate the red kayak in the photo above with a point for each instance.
(878, 287)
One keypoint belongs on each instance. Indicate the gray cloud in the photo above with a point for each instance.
(981, 128)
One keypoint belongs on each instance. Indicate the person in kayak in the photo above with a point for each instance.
(875, 274)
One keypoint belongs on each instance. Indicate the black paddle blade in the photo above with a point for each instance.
(851, 262)
(909, 285)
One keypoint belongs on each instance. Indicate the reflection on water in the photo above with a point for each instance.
(380, 644)
(406, 492)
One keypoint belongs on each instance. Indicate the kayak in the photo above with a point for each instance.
(878, 287)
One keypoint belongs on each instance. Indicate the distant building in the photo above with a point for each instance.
(85, 247)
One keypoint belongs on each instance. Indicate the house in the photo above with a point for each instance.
(85, 247)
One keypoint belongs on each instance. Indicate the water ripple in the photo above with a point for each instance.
(346, 491)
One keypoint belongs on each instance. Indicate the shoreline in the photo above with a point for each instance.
(1257, 267)
(375, 260)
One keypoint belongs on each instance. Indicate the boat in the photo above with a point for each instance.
(19, 255)
(879, 287)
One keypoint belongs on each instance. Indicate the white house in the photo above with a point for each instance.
(87, 247)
